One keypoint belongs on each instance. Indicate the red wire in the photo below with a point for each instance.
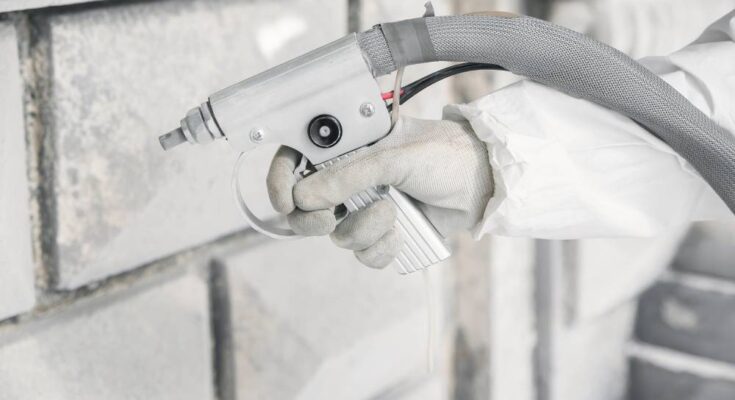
(389, 95)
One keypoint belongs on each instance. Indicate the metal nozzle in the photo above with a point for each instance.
(198, 127)
(172, 139)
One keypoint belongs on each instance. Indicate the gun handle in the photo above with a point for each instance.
(423, 245)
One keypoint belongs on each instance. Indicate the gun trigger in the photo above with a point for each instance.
(303, 169)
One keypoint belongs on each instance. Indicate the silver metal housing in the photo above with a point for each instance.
(277, 105)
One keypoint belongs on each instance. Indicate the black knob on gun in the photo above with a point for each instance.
(325, 131)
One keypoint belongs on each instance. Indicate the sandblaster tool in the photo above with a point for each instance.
(326, 104)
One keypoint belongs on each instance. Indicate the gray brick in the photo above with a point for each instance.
(124, 74)
(649, 381)
(16, 266)
(146, 343)
(338, 330)
(690, 315)
(708, 249)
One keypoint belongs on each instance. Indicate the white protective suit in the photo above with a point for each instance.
(565, 168)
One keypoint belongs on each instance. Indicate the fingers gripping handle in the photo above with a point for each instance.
(422, 244)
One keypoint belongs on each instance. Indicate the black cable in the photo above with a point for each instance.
(413, 88)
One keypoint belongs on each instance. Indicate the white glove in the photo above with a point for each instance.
(440, 164)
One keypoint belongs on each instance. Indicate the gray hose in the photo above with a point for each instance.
(570, 62)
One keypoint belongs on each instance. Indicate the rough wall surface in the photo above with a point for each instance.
(16, 265)
(118, 220)
(112, 94)
(350, 339)
(152, 342)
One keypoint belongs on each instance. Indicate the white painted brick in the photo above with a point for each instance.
(659, 26)
(606, 273)
(146, 343)
(430, 102)
(470, 265)
(16, 266)
(495, 312)
(124, 74)
(591, 362)
(578, 359)
(512, 331)
(309, 322)
(640, 28)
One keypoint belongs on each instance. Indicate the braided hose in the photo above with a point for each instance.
(567, 61)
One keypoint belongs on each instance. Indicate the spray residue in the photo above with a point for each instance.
(430, 321)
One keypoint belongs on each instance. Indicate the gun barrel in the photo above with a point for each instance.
(172, 139)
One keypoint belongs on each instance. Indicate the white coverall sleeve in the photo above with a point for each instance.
(566, 168)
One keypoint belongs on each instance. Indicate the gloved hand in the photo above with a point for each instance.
(440, 164)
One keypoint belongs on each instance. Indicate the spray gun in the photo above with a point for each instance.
(326, 104)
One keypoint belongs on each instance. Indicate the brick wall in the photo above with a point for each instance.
(126, 272)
